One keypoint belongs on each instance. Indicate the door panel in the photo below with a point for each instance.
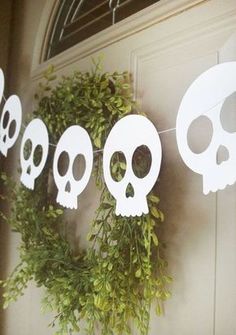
(226, 229)
(200, 230)
(190, 216)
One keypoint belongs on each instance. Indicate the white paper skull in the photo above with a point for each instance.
(126, 136)
(36, 135)
(1, 84)
(10, 122)
(74, 141)
(205, 97)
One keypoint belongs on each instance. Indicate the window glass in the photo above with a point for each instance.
(77, 20)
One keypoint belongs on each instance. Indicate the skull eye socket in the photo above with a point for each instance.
(118, 166)
(79, 166)
(38, 154)
(141, 161)
(63, 163)
(5, 119)
(12, 129)
(200, 134)
(227, 114)
(27, 149)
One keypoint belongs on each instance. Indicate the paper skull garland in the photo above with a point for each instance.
(205, 97)
(74, 141)
(10, 123)
(126, 136)
(34, 152)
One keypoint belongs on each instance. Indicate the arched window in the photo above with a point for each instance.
(77, 20)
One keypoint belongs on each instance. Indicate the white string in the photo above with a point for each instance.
(99, 150)
(166, 130)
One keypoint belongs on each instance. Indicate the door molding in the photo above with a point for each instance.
(144, 19)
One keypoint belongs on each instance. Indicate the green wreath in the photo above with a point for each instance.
(117, 278)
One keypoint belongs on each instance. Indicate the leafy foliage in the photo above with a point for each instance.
(117, 278)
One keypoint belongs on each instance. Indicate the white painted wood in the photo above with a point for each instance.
(190, 216)
(152, 15)
(165, 56)
(43, 33)
(225, 286)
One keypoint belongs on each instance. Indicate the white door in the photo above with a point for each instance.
(166, 48)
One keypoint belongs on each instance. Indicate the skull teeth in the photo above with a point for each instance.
(207, 188)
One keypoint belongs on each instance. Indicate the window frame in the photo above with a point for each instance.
(133, 24)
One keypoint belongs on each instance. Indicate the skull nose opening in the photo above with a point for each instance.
(68, 187)
(129, 191)
(28, 171)
(222, 155)
(4, 138)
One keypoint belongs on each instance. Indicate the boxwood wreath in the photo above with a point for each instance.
(117, 278)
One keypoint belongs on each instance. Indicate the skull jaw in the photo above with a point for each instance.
(135, 206)
(218, 179)
(3, 148)
(27, 180)
(68, 200)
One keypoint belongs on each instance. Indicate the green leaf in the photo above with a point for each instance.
(123, 166)
(108, 287)
(158, 310)
(155, 239)
(167, 295)
(114, 168)
(5, 305)
(167, 279)
(138, 273)
(153, 199)
(107, 205)
(97, 142)
(162, 217)
(155, 212)
(52, 77)
(125, 86)
(90, 236)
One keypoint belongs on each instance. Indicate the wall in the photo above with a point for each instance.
(5, 19)
(23, 22)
